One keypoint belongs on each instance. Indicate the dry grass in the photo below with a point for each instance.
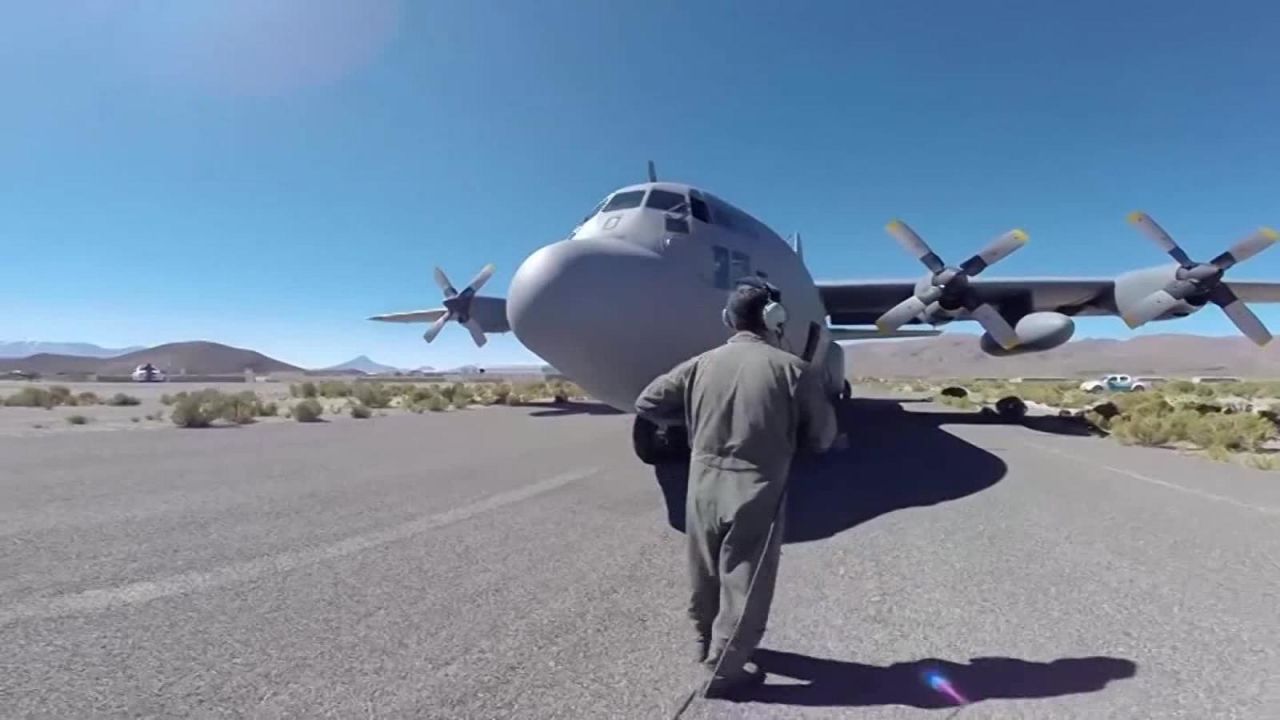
(1223, 420)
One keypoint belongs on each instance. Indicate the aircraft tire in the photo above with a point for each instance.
(655, 446)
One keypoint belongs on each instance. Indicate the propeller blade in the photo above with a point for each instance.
(443, 281)
(1151, 229)
(437, 326)
(900, 314)
(912, 243)
(996, 326)
(1240, 314)
(481, 278)
(995, 251)
(1150, 308)
(477, 333)
(1243, 250)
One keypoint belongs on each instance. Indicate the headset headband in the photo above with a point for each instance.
(773, 315)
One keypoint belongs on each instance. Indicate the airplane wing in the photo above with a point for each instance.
(489, 312)
(860, 302)
(413, 316)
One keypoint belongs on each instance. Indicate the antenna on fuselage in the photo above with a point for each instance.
(797, 246)
(653, 174)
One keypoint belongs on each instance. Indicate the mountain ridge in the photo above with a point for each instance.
(959, 355)
(199, 357)
(27, 348)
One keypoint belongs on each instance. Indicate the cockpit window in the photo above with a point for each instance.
(698, 207)
(624, 201)
(664, 200)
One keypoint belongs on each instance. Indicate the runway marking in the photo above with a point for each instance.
(140, 592)
(1265, 510)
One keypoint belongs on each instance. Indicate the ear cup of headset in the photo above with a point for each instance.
(774, 316)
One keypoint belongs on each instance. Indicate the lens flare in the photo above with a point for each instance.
(943, 685)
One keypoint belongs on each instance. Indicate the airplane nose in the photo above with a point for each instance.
(589, 308)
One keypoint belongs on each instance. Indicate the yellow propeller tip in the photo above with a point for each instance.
(1021, 235)
(893, 225)
(1137, 216)
(1270, 234)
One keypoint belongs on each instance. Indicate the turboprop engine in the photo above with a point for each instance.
(1036, 332)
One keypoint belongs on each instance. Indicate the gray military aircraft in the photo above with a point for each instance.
(639, 283)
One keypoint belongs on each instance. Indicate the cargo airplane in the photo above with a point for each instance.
(639, 283)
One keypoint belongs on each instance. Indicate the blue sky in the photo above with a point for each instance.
(270, 174)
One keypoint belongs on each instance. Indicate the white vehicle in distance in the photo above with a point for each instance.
(147, 372)
(1114, 383)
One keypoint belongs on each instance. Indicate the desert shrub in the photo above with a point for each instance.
(1148, 430)
(1011, 406)
(361, 412)
(1205, 390)
(1180, 387)
(305, 390)
(1142, 404)
(963, 402)
(135, 419)
(309, 410)
(196, 410)
(1231, 432)
(166, 399)
(77, 419)
(121, 400)
(559, 393)
(87, 398)
(462, 397)
(511, 399)
(533, 391)
(30, 397)
(501, 392)
(1218, 453)
(269, 409)
(61, 395)
(436, 403)
(372, 395)
(334, 389)
(421, 394)
(953, 391)
(241, 408)
(1265, 461)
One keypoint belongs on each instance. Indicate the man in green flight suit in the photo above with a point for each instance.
(748, 406)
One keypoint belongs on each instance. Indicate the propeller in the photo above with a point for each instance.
(949, 286)
(1197, 282)
(458, 305)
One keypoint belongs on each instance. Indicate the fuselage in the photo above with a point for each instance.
(639, 286)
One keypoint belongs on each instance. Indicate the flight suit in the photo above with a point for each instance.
(747, 405)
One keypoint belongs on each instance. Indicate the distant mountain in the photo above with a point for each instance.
(364, 365)
(26, 348)
(958, 355)
(193, 358)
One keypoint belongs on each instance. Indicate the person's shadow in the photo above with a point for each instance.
(929, 683)
(896, 459)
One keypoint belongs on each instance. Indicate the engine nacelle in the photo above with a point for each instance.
(1132, 287)
(1036, 331)
(833, 368)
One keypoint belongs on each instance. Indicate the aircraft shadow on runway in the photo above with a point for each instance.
(896, 459)
(927, 683)
(575, 408)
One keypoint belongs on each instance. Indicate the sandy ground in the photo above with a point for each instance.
(28, 422)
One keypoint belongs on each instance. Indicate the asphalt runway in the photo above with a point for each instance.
(519, 563)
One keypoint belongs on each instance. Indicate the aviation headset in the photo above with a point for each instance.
(773, 315)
